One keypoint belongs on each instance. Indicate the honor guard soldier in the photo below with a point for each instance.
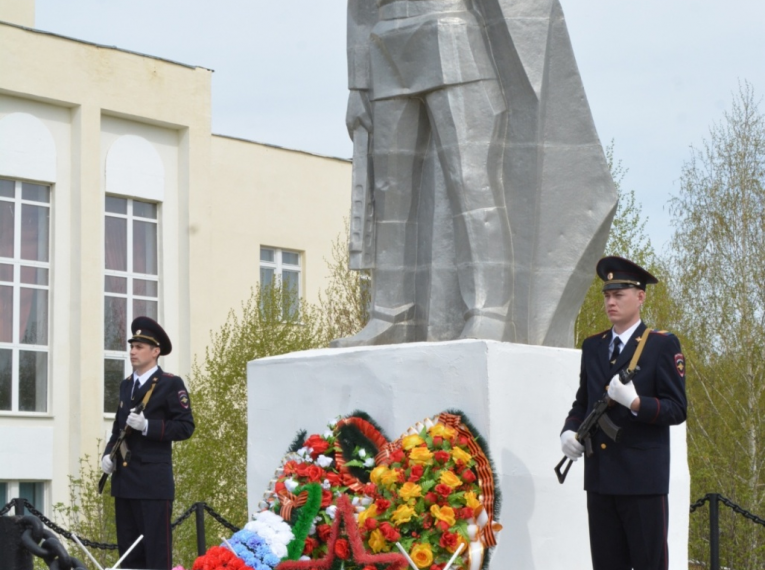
(627, 481)
(154, 411)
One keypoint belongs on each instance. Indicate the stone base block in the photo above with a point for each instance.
(516, 395)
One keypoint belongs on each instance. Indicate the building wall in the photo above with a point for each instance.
(219, 200)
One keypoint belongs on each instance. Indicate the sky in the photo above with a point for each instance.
(657, 73)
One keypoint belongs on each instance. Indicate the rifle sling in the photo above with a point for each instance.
(638, 351)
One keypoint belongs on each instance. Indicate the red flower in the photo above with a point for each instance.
(290, 466)
(310, 544)
(468, 476)
(416, 473)
(326, 498)
(390, 533)
(397, 456)
(279, 487)
(342, 548)
(301, 469)
(441, 456)
(448, 540)
(443, 490)
(463, 441)
(437, 441)
(324, 530)
(431, 497)
(333, 478)
(317, 444)
(314, 473)
(442, 526)
(438, 566)
(369, 489)
(465, 513)
(382, 505)
(370, 523)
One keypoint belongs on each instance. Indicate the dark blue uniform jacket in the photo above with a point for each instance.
(639, 463)
(149, 474)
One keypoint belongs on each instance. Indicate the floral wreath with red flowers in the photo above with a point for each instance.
(426, 500)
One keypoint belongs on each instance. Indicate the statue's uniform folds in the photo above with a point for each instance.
(454, 97)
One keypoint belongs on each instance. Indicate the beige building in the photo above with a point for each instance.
(117, 200)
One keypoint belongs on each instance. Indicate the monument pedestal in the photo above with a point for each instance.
(516, 395)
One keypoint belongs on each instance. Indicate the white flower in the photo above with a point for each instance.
(273, 530)
(366, 501)
(332, 422)
(356, 501)
(303, 558)
(331, 511)
(327, 434)
(305, 454)
(312, 530)
(291, 484)
(362, 453)
(324, 461)
(326, 485)
(369, 462)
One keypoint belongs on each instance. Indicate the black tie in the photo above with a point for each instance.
(136, 387)
(616, 351)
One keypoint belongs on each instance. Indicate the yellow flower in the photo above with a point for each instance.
(377, 541)
(410, 490)
(369, 512)
(402, 515)
(471, 500)
(445, 514)
(449, 478)
(421, 456)
(390, 477)
(421, 555)
(411, 441)
(376, 475)
(441, 430)
(461, 455)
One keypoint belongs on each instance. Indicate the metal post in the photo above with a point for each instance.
(200, 516)
(714, 531)
(14, 556)
(18, 505)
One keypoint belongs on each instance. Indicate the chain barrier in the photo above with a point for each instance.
(699, 503)
(107, 546)
(220, 519)
(43, 543)
(730, 504)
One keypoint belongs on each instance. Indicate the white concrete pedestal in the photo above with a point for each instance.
(516, 395)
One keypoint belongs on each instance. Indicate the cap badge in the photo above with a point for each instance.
(610, 276)
(139, 330)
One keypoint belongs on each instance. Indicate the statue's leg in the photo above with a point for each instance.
(468, 122)
(399, 141)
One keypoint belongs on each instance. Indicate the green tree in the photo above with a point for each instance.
(212, 465)
(627, 239)
(718, 259)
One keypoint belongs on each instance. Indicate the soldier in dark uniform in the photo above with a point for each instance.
(627, 482)
(143, 488)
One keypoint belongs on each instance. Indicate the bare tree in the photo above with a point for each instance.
(718, 262)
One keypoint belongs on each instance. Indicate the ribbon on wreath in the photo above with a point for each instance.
(289, 501)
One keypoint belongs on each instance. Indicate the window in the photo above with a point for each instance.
(280, 266)
(24, 292)
(131, 283)
(32, 491)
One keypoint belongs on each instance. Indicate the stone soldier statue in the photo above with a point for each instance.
(446, 95)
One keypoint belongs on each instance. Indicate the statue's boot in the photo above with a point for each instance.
(386, 326)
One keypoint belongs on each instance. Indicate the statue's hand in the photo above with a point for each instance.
(359, 111)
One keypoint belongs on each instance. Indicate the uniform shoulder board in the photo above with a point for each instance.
(170, 374)
(663, 333)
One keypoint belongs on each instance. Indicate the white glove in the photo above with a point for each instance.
(570, 445)
(136, 421)
(107, 465)
(625, 394)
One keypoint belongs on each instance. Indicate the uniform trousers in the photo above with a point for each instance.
(628, 531)
(150, 518)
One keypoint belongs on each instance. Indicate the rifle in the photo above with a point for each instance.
(126, 431)
(597, 418)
